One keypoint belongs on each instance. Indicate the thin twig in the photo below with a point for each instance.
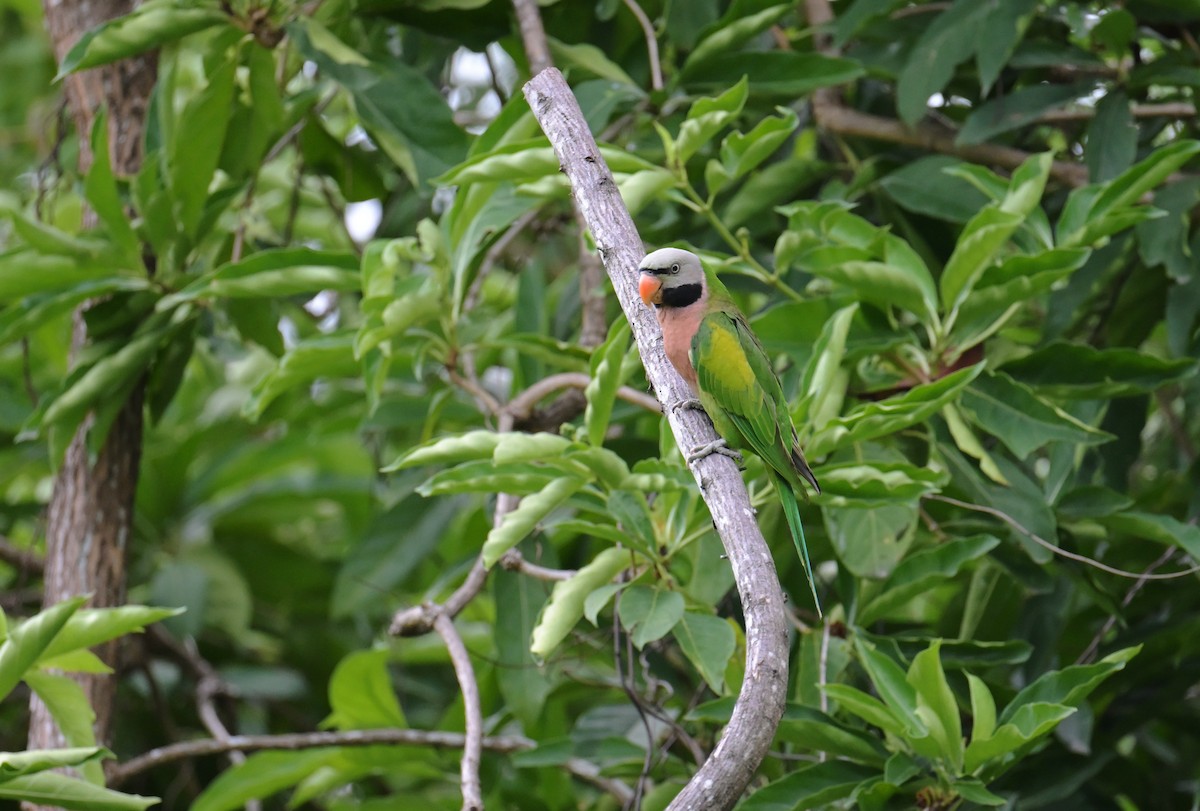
(656, 79)
(1177, 109)
(1089, 653)
(472, 792)
(533, 36)
(514, 561)
(841, 120)
(629, 685)
(493, 255)
(523, 404)
(505, 744)
(21, 559)
(1058, 550)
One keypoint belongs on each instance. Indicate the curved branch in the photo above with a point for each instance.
(472, 792)
(656, 78)
(720, 782)
(522, 405)
(506, 744)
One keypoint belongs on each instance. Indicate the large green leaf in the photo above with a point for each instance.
(1021, 419)
(152, 24)
(708, 642)
(60, 791)
(648, 613)
(814, 786)
(26, 643)
(1079, 371)
(405, 115)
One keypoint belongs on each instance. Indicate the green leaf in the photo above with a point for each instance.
(741, 153)
(784, 74)
(1005, 25)
(518, 523)
(1077, 371)
(68, 706)
(89, 627)
(601, 392)
(522, 684)
(1029, 723)
(649, 614)
(273, 273)
(1112, 136)
(565, 607)
(925, 187)
(261, 775)
(1004, 288)
(851, 484)
(1068, 686)
(406, 116)
(975, 792)
(27, 273)
(707, 117)
(195, 151)
(27, 315)
(922, 571)
(361, 695)
(1018, 417)
(1161, 528)
(950, 39)
(821, 395)
(471, 445)
(936, 705)
(709, 643)
(873, 420)
(26, 643)
(889, 529)
(14, 764)
(977, 248)
(880, 283)
(815, 730)
(632, 513)
(485, 476)
(325, 356)
(151, 25)
(516, 446)
(1089, 212)
(729, 36)
(589, 59)
(60, 791)
(866, 707)
(892, 685)
(100, 188)
(1015, 110)
(815, 786)
(983, 709)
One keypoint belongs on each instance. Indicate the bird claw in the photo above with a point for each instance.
(690, 402)
(716, 446)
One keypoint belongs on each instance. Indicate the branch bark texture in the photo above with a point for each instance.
(90, 516)
(724, 776)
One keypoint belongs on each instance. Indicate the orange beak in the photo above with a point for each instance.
(650, 288)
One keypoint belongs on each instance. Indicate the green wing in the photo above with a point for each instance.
(735, 375)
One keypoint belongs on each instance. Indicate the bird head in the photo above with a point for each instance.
(670, 277)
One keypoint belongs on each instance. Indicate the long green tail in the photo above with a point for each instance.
(791, 510)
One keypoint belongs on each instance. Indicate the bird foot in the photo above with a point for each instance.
(716, 446)
(691, 402)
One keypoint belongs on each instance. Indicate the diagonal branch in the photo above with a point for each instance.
(720, 782)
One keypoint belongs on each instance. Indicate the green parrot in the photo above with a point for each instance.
(709, 343)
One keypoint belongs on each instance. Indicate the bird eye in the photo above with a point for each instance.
(675, 268)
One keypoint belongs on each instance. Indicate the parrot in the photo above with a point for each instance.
(709, 342)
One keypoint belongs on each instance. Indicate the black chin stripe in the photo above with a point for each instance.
(681, 295)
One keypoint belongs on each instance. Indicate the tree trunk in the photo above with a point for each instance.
(91, 509)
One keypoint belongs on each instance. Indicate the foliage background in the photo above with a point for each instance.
(978, 355)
